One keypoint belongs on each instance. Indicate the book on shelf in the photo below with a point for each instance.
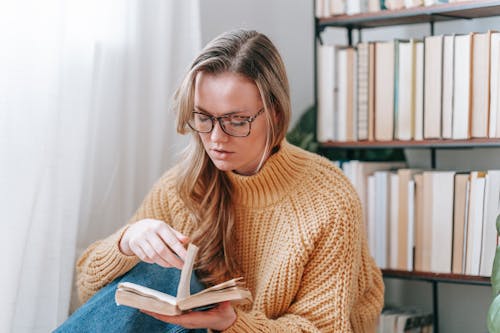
(459, 219)
(480, 84)
(404, 320)
(326, 93)
(462, 87)
(384, 90)
(433, 86)
(418, 121)
(406, 90)
(405, 236)
(475, 222)
(363, 89)
(439, 185)
(394, 224)
(141, 297)
(494, 123)
(346, 127)
(447, 103)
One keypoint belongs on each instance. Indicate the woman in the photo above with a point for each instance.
(286, 220)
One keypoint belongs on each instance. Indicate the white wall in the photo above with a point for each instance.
(289, 24)
(462, 309)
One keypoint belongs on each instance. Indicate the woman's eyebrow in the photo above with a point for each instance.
(200, 109)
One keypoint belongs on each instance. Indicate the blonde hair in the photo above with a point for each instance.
(205, 190)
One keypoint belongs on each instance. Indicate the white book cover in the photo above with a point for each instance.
(448, 58)
(475, 223)
(462, 86)
(494, 130)
(371, 227)
(411, 225)
(418, 121)
(326, 93)
(480, 84)
(382, 195)
(443, 183)
(362, 93)
(491, 211)
(393, 220)
(343, 94)
(433, 86)
(337, 7)
(356, 6)
(405, 90)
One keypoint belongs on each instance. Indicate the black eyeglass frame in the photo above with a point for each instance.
(219, 119)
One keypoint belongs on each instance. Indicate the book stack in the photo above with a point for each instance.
(441, 87)
(428, 220)
(401, 320)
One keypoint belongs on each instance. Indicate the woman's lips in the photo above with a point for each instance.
(221, 154)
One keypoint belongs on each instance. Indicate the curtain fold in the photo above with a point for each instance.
(85, 130)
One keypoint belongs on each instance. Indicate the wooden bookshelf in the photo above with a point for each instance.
(435, 143)
(436, 13)
(437, 277)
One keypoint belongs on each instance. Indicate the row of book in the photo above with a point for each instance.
(428, 221)
(401, 320)
(327, 8)
(441, 87)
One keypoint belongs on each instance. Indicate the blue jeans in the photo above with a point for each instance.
(101, 314)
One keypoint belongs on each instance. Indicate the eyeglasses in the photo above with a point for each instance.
(231, 124)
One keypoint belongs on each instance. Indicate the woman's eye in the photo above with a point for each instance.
(237, 122)
(203, 117)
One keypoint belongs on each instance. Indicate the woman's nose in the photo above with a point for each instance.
(217, 134)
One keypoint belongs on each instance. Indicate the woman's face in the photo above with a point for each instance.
(230, 93)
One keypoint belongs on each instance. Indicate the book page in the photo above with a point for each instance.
(183, 290)
(147, 292)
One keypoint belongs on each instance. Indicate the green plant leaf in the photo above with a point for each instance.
(493, 319)
(495, 272)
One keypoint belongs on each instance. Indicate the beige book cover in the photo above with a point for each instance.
(459, 219)
(384, 90)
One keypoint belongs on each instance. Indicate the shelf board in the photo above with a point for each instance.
(434, 143)
(437, 277)
(436, 13)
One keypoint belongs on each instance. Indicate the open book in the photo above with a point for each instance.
(144, 298)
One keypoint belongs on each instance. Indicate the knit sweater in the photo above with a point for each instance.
(300, 245)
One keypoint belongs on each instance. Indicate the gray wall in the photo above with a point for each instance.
(290, 25)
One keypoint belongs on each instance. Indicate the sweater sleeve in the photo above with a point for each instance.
(102, 261)
(339, 278)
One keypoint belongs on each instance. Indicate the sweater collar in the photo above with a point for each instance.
(279, 175)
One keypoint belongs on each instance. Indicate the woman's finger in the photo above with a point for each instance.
(168, 235)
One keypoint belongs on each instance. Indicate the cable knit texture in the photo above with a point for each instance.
(300, 245)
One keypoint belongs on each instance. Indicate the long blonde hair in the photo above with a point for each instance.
(205, 190)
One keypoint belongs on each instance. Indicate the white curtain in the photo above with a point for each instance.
(85, 130)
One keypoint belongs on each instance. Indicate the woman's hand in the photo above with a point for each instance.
(154, 241)
(218, 318)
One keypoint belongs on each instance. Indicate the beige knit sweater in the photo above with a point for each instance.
(301, 247)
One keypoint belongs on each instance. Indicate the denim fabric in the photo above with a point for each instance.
(101, 314)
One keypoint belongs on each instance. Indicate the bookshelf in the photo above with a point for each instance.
(432, 14)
